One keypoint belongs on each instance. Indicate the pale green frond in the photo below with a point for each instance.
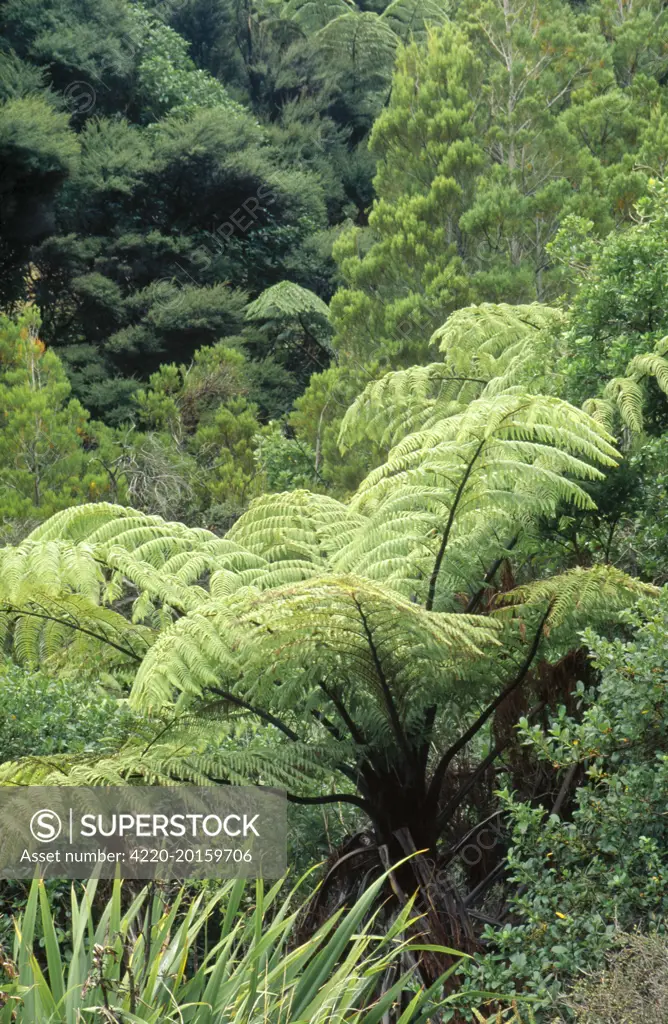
(102, 525)
(52, 567)
(286, 300)
(156, 583)
(400, 403)
(43, 624)
(628, 397)
(488, 431)
(651, 364)
(293, 525)
(493, 327)
(285, 648)
(80, 522)
(602, 410)
(578, 597)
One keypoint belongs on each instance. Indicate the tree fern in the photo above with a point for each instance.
(623, 398)
(358, 44)
(411, 18)
(486, 350)
(379, 642)
(312, 15)
(286, 300)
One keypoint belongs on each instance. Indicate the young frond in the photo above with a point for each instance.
(651, 364)
(602, 410)
(52, 567)
(82, 522)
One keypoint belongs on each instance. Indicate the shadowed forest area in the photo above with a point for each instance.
(334, 458)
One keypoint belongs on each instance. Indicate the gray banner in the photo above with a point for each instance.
(142, 832)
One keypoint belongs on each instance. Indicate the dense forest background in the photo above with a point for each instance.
(333, 376)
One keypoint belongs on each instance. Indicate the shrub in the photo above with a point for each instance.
(42, 715)
(633, 987)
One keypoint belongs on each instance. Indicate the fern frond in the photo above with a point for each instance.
(357, 40)
(601, 410)
(492, 328)
(578, 597)
(312, 15)
(381, 654)
(409, 18)
(650, 364)
(294, 525)
(487, 350)
(627, 395)
(286, 300)
(402, 402)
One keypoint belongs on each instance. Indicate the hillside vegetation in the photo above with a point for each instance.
(334, 457)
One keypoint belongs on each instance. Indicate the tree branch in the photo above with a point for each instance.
(489, 576)
(387, 693)
(464, 790)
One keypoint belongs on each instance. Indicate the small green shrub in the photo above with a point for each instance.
(42, 716)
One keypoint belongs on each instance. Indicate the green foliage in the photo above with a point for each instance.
(168, 79)
(508, 122)
(605, 869)
(178, 973)
(202, 413)
(351, 632)
(43, 465)
(151, 225)
(75, 41)
(617, 320)
(37, 153)
(44, 715)
(295, 329)
(285, 463)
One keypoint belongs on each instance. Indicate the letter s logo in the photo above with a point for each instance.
(45, 826)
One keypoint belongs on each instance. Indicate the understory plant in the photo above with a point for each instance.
(233, 957)
(581, 878)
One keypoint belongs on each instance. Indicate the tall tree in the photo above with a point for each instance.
(43, 463)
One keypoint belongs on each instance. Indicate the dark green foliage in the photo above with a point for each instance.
(602, 867)
(621, 307)
(141, 222)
